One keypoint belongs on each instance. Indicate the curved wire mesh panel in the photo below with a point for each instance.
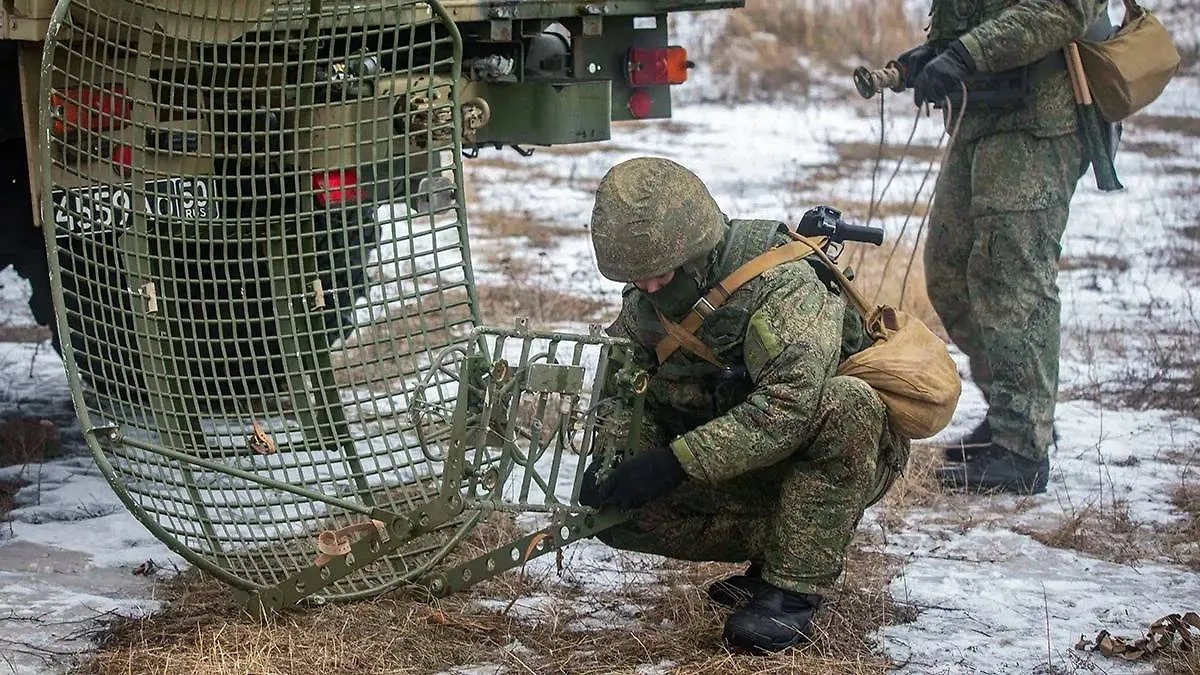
(262, 273)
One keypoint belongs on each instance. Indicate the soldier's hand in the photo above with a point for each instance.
(944, 74)
(914, 60)
(589, 488)
(642, 478)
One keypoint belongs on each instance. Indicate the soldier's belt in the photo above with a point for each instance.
(1009, 88)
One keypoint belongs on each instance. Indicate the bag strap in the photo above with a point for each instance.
(682, 338)
(856, 298)
(682, 334)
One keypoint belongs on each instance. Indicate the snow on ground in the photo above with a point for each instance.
(989, 599)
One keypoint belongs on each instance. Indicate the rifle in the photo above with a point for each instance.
(1091, 127)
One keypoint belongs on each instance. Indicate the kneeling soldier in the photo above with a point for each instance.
(753, 448)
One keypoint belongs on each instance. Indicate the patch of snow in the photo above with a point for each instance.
(992, 601)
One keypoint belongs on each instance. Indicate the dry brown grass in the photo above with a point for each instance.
(862, 154)
(768, 48)
(1188, 126)
(393, 348)
(525, 224)
(894, 274)
(1108, 263)
(917, 487)
(8, 490)
(10, 333)
(1109, 532)
(537, 301)
(201, 631)
(25, 440)
(585, 149)
(1106, 532)
(1179, 664)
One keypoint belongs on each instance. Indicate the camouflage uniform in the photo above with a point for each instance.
(784, 456)
(1000, 208)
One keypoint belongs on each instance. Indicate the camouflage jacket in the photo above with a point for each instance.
(1004, 34)
(779, 338)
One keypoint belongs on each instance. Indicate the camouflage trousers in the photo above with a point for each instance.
(991, 266)
(796, 517)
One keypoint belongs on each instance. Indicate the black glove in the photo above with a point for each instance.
(944, 74)
(641, 479)
(913, 61)
(589, 488)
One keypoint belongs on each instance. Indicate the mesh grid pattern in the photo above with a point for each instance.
(261, 252)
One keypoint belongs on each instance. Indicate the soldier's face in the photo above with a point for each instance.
(655, 284)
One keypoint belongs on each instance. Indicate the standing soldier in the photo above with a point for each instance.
(999, 211)
(753, 450)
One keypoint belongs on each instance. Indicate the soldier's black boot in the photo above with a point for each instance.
(974, 444)
(738, 589)
(773, 621)
(997, 469)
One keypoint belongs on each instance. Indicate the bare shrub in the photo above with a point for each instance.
(25, 440)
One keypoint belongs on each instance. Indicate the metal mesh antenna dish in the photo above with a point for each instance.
(265, 298)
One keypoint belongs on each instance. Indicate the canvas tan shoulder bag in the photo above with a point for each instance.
(908, 366)
(1130, 69)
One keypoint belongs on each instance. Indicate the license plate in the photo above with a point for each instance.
(108, 208)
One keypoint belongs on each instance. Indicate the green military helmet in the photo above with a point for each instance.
(652, 216)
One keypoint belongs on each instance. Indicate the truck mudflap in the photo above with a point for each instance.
(255, 222)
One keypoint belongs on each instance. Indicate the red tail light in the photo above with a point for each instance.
(640, 104)
(337, 187)
(90, 108)
(649, 67)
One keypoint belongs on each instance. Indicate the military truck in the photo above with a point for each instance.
(533, 73)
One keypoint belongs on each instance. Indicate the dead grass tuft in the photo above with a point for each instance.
(1156, 149)
(1176, 663)
(25, 440)
(524, 224)
(548, 628)
(863, 154)
(917, 487)
(585, 149)
(769, 48)
(8, 490)
(1162, 369)
(398, 346)
(1188, 126)
(669, 127)
(1106, 532)
(1109, 263)
(9, 333)
(1109, 532)
(1186, 498)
